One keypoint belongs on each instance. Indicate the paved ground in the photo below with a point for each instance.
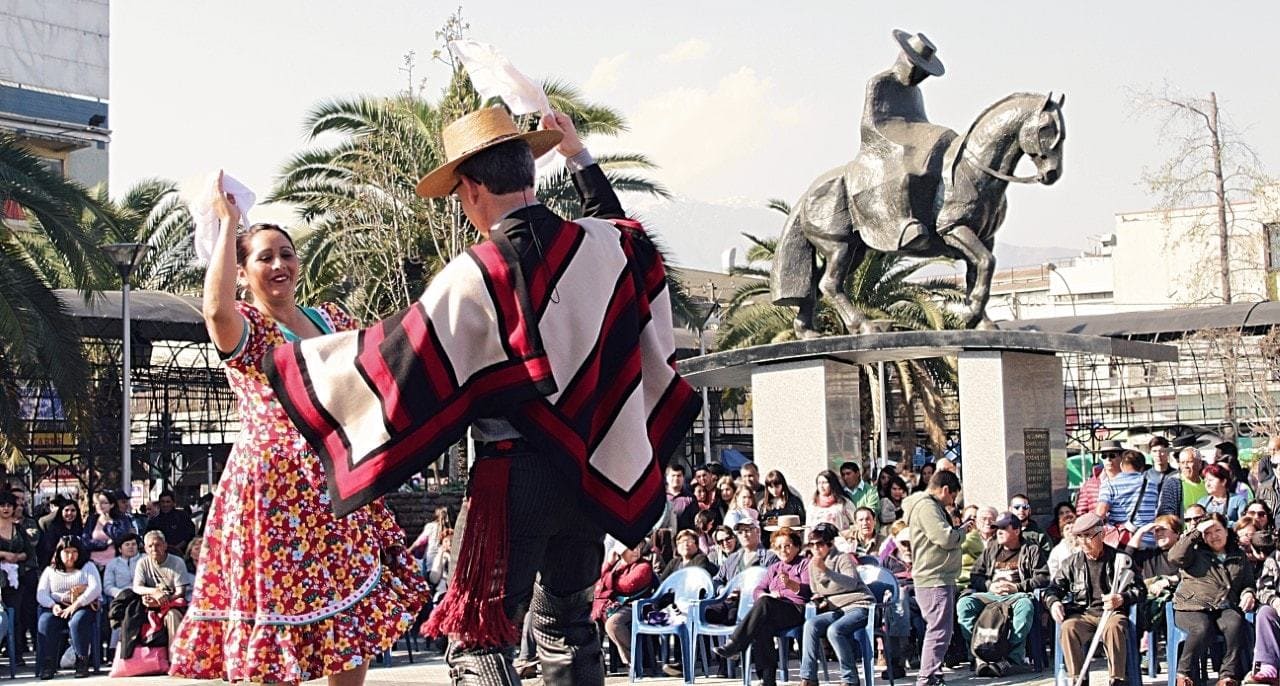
(431, 671)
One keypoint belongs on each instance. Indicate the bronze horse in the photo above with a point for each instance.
(962, 200)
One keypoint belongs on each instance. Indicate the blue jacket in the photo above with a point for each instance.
(115, 529)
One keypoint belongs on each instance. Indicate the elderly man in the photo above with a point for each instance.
(1190, 466)
(1084, 587)
(865, 533)
(975, 542)
(750, 553)
(936, 557)
(163, 582)
(863, 493)
(1008, 572)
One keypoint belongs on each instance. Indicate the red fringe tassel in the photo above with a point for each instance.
(471, 611)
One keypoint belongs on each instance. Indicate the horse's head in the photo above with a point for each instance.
(1041, 138)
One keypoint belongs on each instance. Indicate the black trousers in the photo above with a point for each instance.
(1201, 629)
(767, 617)
(550, 539)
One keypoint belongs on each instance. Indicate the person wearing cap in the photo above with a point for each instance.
(1215, 590)
(861, 492)
(1008, 571)
(842, 601)
(1087, 497)
(1164, 473)
(780, 598)
(1190, 467)
(935, 568)
(1082, 589)
(750, 553)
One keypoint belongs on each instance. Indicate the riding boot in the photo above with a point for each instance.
(568, 646)
(480, 667)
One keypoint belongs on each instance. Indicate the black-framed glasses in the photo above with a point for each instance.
(727, 539)
(1256, 512)
(1022, 506)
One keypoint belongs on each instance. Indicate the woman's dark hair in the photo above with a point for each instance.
(243, 239)
(114, 512)
(1232, 541)
(896, 481)
(837, 488)
(1057, 509)
(884, 478)
(67, 542)
(775, 478)
(704, 520)
(7, 498)
(119, 543)
(1271, 517)
(504, 168)
(71, 503)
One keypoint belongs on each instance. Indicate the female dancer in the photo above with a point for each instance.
(286, 592)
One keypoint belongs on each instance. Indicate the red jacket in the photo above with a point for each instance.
(620, 584)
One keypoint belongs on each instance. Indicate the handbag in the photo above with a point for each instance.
(146, 661)
(1118, 537)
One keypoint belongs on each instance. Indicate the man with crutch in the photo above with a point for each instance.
(1090, 598)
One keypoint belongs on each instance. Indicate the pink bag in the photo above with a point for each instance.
(146, 661)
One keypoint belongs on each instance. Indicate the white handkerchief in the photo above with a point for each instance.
(206, 220)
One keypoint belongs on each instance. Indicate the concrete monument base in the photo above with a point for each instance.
(806, 418)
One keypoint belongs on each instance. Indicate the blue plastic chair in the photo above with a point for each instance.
(884, 586)
(866, 643)
(1176, 636)
(690, 585)
(745, 582)
(1133, 659)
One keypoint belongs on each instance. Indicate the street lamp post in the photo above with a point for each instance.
(125, 256)
(1053, 268)
(703, 311)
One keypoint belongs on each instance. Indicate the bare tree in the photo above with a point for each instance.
(1210, 166)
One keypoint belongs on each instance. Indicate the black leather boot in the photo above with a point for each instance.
(485, 667)
(567, 642)
(48, 670)
(82, 668)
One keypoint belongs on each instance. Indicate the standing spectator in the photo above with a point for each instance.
(976, 541)
(174, 523)
(866, 537)
(750, 474)
(1082, 590)
(704, 524)
(53, 510)
(428, 542)
(830, 504)
(922, 480)
(1056, 529)
(66, 522)
(744, 507)
(704, 499)
(779, 500)
(1214, 592)
(441, 571)
(842, 601)
(105, 526)
(1130, 499)
(1219, 496)
(163, 582)
(1165, 475)
(703, 476)
(780, 600)
(1190, 466)
(726, 492)
(627, 575)
(69, 588)
(1087, 498)
(862, 492)
(1229, 456)
(124, 504)
(17, 558)
(679, 498)
(886, 475)
(1009, 572)
(936, 558)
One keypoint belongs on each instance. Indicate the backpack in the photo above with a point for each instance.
(990, 642)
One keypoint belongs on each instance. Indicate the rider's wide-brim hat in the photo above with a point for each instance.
(474, 133)
(921, 51)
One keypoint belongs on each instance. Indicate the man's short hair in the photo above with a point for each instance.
(749, 465)
(673, 467)
(504, 168)
(1134, 459)
(866, 509)
(154, 534)
(687, 533)
(168, 493)
(851, 465)
(1157, 442)
(943, 479)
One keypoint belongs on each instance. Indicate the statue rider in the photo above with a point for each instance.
(897, 135)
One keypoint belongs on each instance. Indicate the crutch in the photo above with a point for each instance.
(1122, 579)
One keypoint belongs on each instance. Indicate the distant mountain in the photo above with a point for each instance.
(698, 232)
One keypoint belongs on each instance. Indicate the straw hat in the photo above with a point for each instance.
(478, 131)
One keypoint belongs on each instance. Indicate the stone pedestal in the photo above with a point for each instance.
(1012, 429)
(806, 418)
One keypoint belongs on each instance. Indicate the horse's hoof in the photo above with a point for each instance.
(986, 325)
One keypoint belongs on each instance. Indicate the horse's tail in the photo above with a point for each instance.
(793, 276)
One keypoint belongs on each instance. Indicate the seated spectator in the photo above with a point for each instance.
(779, 500)
(192, 555)
(861, 492)
(1082, 590)
(173, 522)
(779, 605)
(1151, 563)
(1007, 572)
(1221, 498)
(105, 526)
(726, 493)
(895, 554)
(163, 582)
(119, 573)
(625, 576)
(923, 475)
(891, 502)
(750, 553)
(1193, 516)
(744, 507)
(884, 478)
(124, 505)
(1215, 590)
(724, 544)
(1057, 529)
(704, 524)
(1065, 547)
(704, 499)
(1228, 455)
(1266, 652)
(1263, 518)
(830, 503)
(842, 601)
(69, 590)
(865, 537)
(975, 542)
(688, 554)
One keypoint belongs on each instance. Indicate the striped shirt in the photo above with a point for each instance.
(1125, 489)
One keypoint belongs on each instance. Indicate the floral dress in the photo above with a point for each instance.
(286, 592)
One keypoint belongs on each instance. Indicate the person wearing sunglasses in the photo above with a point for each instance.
(1021, 508)
(1262, 515)
(750, 552)
(723, 544)
(1109, 453)
(842, 601)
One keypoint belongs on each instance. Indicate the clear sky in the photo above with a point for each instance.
(737, 101)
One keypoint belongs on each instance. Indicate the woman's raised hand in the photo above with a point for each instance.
(225, 206)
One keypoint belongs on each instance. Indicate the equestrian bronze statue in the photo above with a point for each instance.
(915, 189)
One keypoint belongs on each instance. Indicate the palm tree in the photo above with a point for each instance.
(39, 339)
(883, 288)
